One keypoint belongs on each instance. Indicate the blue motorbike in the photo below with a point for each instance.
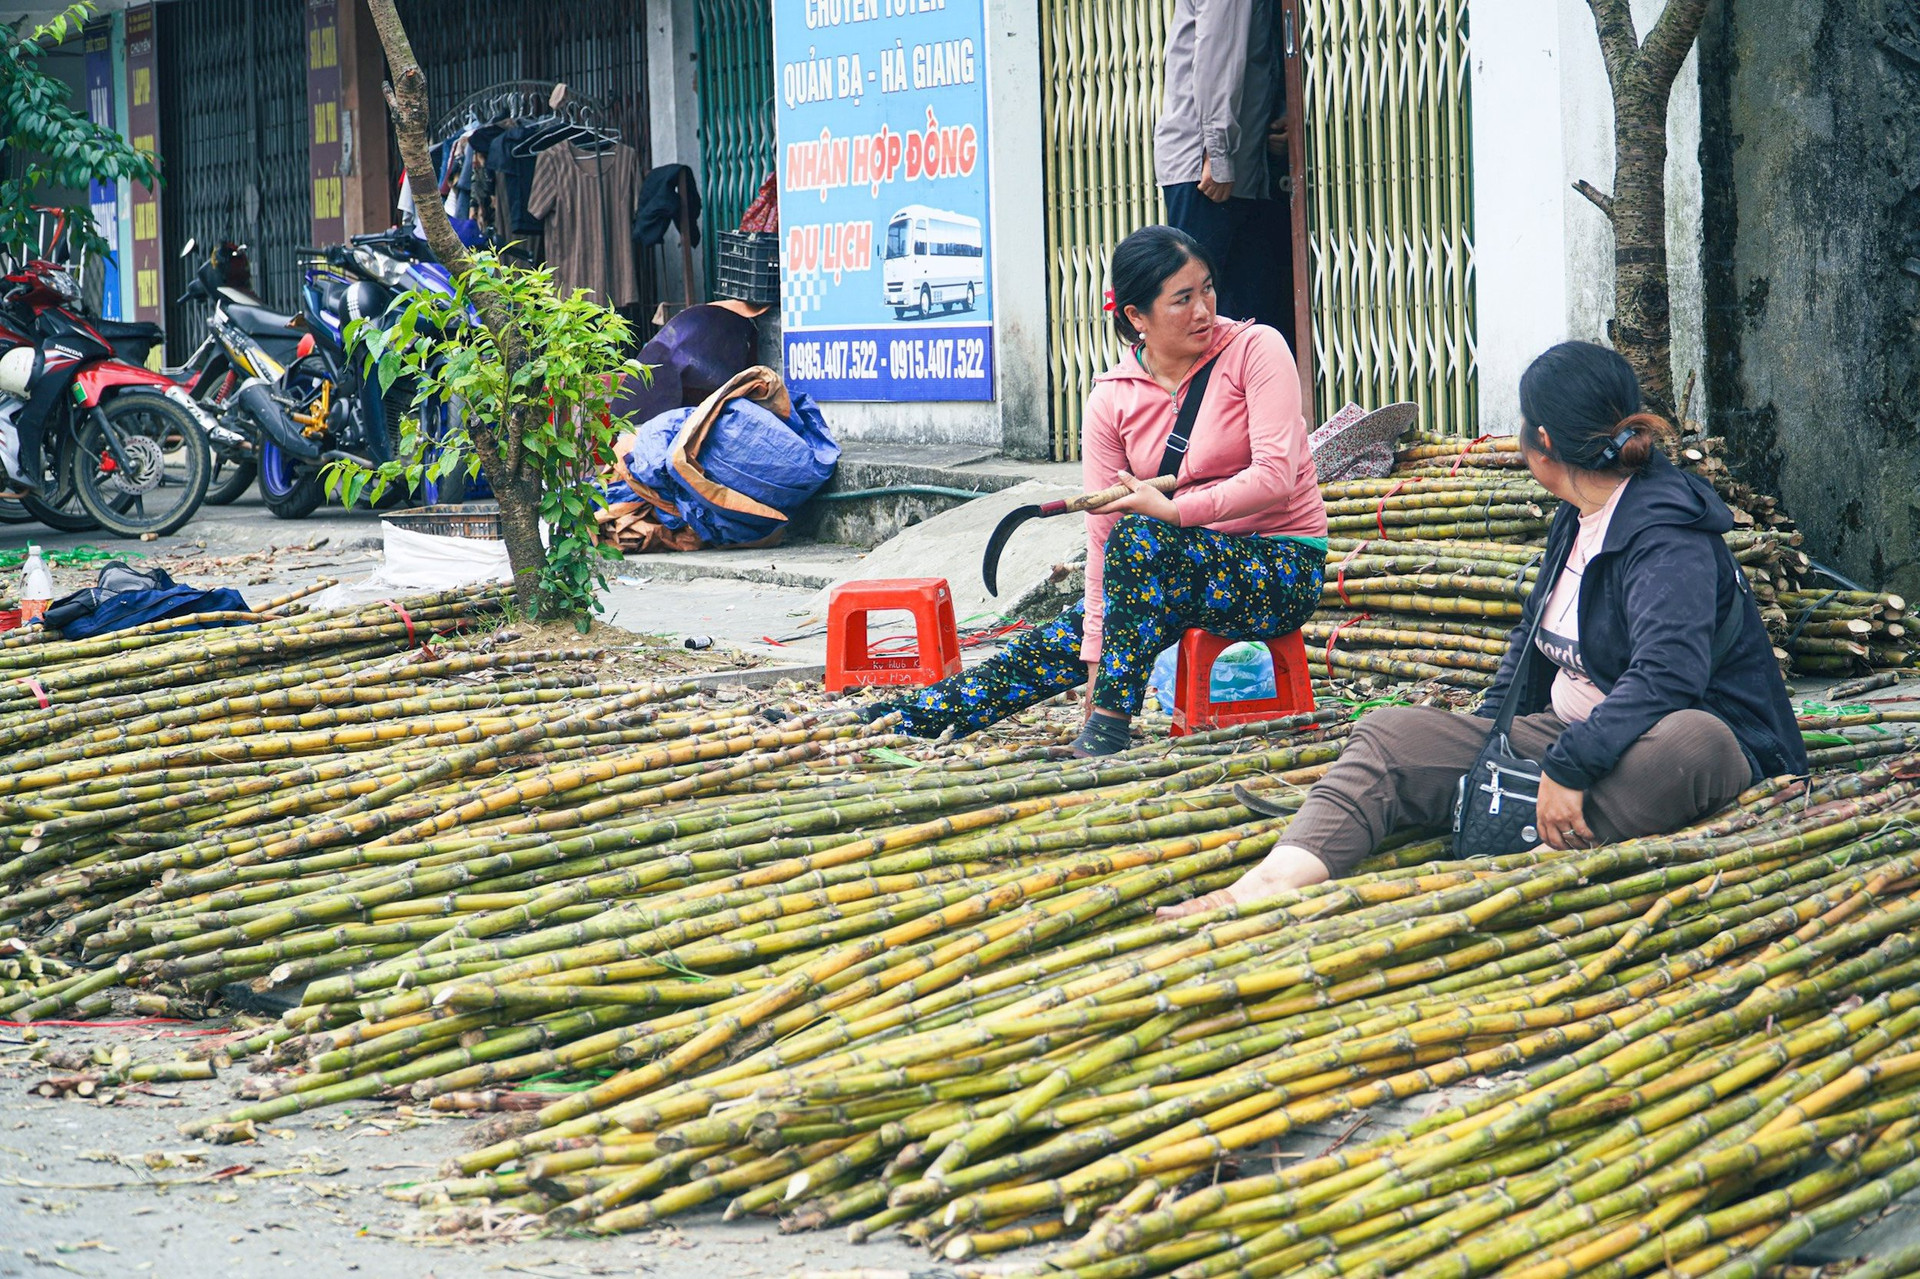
(334, 408)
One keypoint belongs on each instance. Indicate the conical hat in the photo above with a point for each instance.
(1354, 444)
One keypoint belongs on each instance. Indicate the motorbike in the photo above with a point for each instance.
(342, 410)
(84, 422)
(213, 373)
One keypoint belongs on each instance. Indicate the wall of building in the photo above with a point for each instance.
(1811, 138)
(1543, 255)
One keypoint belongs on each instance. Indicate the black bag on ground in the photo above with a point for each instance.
(115, 578)
(1494, 808)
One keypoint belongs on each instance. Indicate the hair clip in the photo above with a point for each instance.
(1108, 306)
(1611, 453)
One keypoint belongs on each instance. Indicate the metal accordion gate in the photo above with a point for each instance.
(233, 144)
(1389, 199)
(1382, 88)
(736, 109)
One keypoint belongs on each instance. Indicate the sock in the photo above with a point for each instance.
(1103, 735)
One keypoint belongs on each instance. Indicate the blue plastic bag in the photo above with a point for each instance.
(1240, 674)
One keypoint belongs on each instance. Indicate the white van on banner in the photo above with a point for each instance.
(933, 258)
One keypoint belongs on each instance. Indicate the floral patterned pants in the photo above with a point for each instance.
(1161, 581)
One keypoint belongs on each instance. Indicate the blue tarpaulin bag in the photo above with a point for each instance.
(137, 608)
(735, 467)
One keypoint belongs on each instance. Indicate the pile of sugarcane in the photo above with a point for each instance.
(1427, 571)
(969, 1026)
(796, 965)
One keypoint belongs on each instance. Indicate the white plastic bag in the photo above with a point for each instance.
(421, 563)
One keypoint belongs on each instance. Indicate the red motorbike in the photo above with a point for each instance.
(90, 424)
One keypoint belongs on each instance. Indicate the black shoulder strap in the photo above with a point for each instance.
(1523, 665)
(1183, 421)
(1728, 633)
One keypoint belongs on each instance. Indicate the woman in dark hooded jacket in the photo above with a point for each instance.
(1660, 700)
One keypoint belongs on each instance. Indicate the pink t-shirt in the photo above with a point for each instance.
(1574, 694)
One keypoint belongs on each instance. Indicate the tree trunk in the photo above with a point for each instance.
(1641, 328)
(1641, 78)
(516, 483)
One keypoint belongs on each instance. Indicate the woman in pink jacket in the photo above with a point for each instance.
(1239, 547)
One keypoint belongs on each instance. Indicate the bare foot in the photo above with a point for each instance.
(1286, 867)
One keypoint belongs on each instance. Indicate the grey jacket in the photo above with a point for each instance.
(1219, 91)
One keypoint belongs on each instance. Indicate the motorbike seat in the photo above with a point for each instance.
(333, 296)
(259, 321)
(124, 331)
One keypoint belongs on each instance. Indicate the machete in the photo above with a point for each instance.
(990, 565)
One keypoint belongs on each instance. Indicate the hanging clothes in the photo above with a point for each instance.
(513, 174)
(659, 206)
(585, 200)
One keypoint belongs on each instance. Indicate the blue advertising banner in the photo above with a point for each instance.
(104, 197)
(887, 245)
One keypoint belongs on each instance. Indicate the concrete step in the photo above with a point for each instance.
(857, 509)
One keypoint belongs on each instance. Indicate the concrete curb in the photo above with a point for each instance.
(761, 676)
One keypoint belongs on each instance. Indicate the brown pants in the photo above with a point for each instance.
(1402, 764)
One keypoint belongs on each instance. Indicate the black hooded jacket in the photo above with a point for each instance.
(1647, 633)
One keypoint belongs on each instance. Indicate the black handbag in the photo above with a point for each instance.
(1495, 803)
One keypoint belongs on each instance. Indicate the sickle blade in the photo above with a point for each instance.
(997, 542)
(1263, 807)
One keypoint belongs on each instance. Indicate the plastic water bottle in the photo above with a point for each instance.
(36, 587)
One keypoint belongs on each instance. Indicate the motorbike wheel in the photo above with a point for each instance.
(60, 509)
(290, 492)
(14, 511)
(232, 477)
(166, 462)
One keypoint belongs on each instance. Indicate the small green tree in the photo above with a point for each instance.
(61, 147)
(561, 399)
(516, 469)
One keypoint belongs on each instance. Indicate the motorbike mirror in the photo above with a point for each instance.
(187, 251)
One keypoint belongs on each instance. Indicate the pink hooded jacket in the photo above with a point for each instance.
(1247, 469)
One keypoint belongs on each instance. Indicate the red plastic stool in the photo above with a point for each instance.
(937, 651)
(1193, 704)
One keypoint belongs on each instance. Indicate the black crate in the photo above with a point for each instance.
(749, 266)
(479, 521)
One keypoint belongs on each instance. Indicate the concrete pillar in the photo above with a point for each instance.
(366, 184)
(1019, 227)
(1519, 206)
(1543, 255)
(673, 108)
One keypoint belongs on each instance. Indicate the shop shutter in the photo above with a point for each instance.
(1100, 71)
(233, 144)
(1390, 206)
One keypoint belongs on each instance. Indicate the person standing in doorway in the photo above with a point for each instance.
(1210, 147)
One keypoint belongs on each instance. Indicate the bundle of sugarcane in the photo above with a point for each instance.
(1430, 540)
(1847, 632)
(1000, 1070)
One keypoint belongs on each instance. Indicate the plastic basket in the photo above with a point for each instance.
(749, 266)
(479, 521)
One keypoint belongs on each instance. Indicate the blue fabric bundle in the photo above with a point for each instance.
(776, 461)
